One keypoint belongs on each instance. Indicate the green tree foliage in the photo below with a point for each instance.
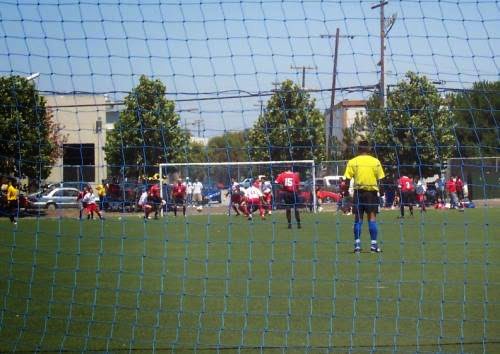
(147, 132)
(229, 147)
(30, 140)
(414, 133)
(291, 128)
(476, 113)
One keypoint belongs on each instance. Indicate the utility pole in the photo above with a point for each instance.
(385, 27)
(198, 122)
(261, 105)
(334, 87)
(303, 68)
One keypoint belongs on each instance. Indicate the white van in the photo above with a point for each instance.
(332, 183)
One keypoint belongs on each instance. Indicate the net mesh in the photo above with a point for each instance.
(103, 92)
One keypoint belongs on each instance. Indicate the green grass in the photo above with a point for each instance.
(219, 282)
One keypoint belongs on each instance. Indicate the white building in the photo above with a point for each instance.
(84, 120)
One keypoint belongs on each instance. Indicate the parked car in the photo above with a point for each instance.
(55, 198)
(211, 194)
(78, 185)
(123, 196)
(305, 196)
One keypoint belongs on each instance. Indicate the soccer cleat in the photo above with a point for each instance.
(289, 226)
(375, 249)
(357, 250)
(299, 226)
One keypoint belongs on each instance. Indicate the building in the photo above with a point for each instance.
(344, 114)
(84, 120)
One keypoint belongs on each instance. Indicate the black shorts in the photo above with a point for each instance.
(408, 198)
(365, 201)
(179, 201)
(289, 198)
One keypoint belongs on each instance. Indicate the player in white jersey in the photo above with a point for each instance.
(90, 200)
(254, 200)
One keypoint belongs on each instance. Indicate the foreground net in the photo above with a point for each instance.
(132, 97)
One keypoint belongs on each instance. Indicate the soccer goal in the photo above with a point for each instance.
(220, 175)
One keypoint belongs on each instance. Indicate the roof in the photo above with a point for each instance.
(351, 104)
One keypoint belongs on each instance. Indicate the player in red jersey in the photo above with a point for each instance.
(179, 196)
(407, 195)
(267, 194)
(154, 199)
(290, 182)
(236, 201)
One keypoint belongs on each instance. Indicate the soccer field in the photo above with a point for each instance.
(219, 282)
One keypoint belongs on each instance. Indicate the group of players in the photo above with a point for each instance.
(258, 196)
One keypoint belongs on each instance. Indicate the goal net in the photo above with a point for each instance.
(125, 97)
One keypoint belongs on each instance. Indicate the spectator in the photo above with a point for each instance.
(459, 184)
(451, 188)
(197, 194)
(189, 191)
(440, 188)
(420, 191)
(12, 201)
(101, 193)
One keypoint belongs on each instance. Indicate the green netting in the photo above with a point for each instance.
(105, 92)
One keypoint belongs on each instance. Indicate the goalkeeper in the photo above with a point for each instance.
(366, 171)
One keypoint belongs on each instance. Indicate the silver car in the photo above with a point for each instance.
(59, 197)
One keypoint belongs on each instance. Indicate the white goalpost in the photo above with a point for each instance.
(273, 165)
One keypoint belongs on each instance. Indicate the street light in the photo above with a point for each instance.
(32, 76)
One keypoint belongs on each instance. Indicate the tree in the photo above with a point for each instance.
(290, 128)
(414, 133)
(30, 139)
(147, 132)
(229, 147)
(476, 115)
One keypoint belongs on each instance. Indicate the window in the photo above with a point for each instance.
(78, 162)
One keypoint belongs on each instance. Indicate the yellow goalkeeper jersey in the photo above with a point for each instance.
(366, 170)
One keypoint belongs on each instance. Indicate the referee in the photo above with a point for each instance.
(366, 171)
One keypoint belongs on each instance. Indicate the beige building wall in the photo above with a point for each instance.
(343, 116)
(78, 116)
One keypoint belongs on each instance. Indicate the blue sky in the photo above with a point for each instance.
(232, 47)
